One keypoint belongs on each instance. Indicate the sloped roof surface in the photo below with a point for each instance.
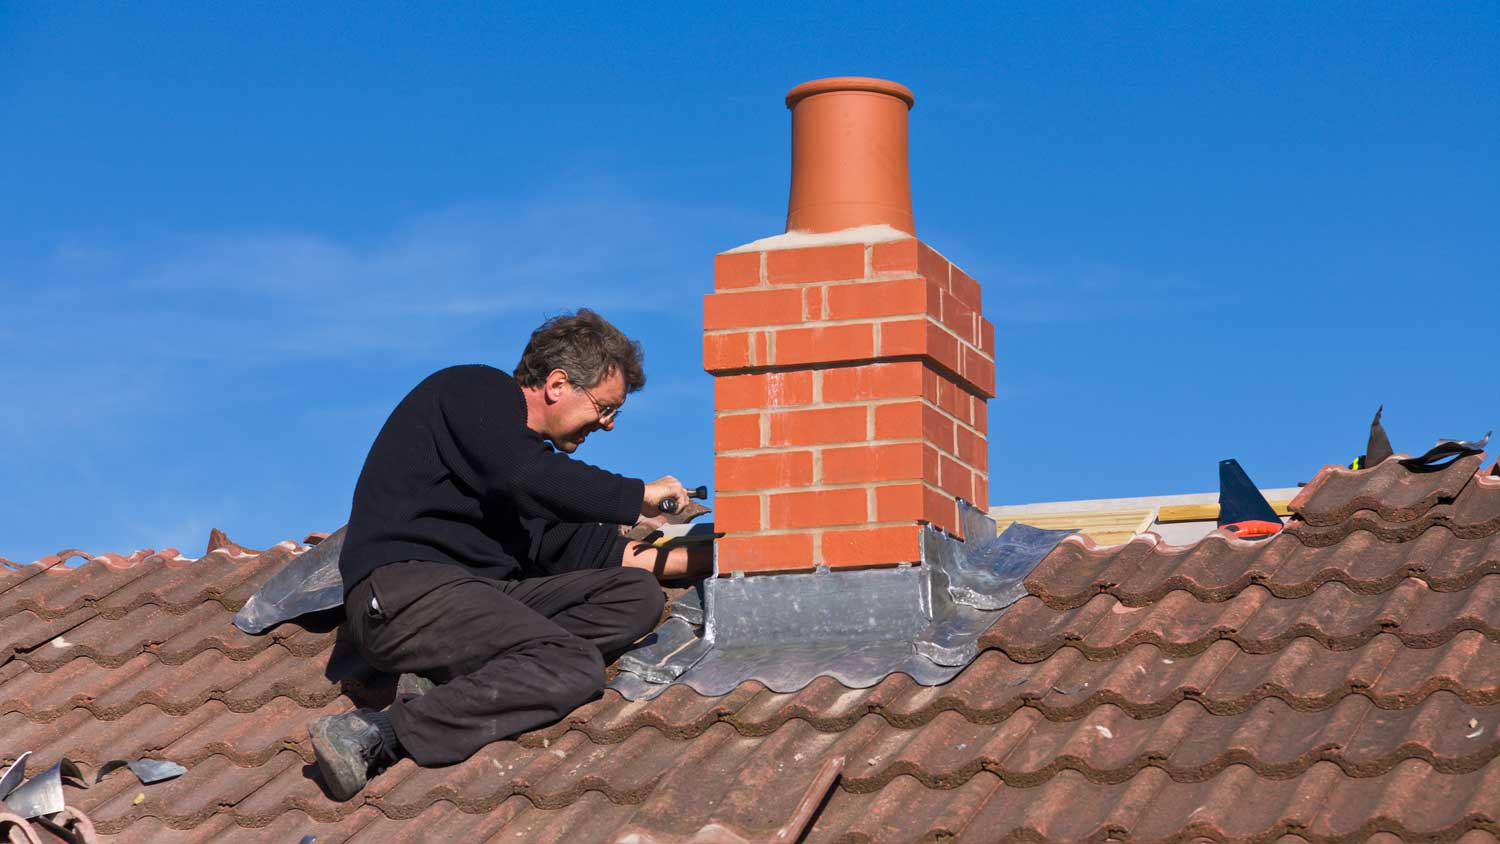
(1338, 681)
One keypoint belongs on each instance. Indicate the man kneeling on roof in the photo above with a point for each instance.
(487, 565)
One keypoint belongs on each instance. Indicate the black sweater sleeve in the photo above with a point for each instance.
(481, 436)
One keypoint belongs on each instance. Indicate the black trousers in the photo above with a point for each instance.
(508, 655)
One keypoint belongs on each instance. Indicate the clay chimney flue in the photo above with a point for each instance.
(849, 158)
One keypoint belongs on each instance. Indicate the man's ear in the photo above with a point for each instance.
(557, 382)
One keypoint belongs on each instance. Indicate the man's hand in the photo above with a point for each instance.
(658, 491)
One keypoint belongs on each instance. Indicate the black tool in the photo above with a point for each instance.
(669, 505)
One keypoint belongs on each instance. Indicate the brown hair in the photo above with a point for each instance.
(586, 347)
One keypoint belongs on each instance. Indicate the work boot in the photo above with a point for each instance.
(350, 747)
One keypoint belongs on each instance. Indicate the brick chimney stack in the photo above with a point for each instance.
(851, 362)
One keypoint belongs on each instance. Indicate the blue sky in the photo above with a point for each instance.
(232, 238)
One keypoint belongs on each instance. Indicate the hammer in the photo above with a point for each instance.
(669, 505)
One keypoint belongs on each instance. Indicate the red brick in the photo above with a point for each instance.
(931, 463)
(740, 269)
(892, 462)
(899, 502)
(942, 510)
(931, 382)
(956, 479)
(757, 307)
(899, 338)
(768, 389)
(894, 256)
(812, 303)
(987, 337)
(959, 318)
(817, 263)
(910, 256)
(982, 416)
(776, 552)
(902, 379)
(938, 429)
(917, 503)
(933, 266)
(824, 344)
(942, 347)
(741, 430)
(819, 426)
(898, 421)
(972, 449)
(726, 351)
(872, 546)
(981, 493)
(954, 399)
(818, 509)
(903, 337)
(979, 371)
(965, 288)
(865, 299)
(737, 513)
(777, 470)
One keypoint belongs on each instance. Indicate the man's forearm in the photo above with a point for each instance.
(670, 563)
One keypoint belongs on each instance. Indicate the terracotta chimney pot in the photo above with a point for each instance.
(849, 155)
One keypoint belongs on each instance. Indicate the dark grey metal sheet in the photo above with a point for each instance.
(310, 582)
(1447, 450)
(43, 794)
(156, 770)
(989, 575)
(664, 655)
(858, 627)
(689, 606)
(792, 609)
(14, 775)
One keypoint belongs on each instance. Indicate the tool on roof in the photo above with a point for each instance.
(1445, 452)
(1378, 448)
(669, 505)
(1243, 510)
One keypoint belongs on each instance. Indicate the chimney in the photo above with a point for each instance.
(851, 364)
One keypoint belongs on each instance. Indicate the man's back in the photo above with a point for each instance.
(456, 476)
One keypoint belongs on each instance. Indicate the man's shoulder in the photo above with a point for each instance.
(469, 373)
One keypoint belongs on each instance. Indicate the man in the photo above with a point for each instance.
(489, 563)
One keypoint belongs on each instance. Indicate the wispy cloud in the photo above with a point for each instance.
(305, 293)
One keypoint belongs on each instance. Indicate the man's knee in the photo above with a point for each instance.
(577, 670)
(642, 588)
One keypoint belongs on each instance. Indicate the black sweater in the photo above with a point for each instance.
(455, 476)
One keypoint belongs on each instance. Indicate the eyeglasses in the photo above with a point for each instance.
(607, 412)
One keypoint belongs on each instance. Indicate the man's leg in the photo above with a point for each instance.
(502, 667)
(609, 608)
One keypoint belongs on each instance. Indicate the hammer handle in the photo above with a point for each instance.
(669, 505)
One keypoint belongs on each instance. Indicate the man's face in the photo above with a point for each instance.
(578, 415)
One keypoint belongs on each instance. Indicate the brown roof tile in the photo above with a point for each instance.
(1346, 673)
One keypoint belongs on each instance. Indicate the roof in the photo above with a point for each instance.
(1344, 675)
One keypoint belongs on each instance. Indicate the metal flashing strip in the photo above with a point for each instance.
(309, 583)
(857, 627)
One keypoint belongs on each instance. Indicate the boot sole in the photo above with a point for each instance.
(343, 780)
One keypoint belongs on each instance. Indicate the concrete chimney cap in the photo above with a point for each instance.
(850, 83)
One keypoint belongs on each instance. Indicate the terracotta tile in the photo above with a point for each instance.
(1395, 492)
